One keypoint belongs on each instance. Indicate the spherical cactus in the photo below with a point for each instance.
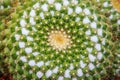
(111, 10)
(61, 39)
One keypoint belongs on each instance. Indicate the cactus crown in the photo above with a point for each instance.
(51, 39)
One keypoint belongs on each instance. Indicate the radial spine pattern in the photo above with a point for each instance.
(58, 40)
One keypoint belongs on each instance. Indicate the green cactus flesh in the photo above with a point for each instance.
(58, 40)
(106, 8)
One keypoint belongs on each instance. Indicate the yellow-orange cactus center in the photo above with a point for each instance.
(59, 40)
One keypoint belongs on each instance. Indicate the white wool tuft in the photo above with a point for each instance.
(95, 17)
(98, 47)
(8, 6)
(67, 73)
(111, 16)
(82, 56)
(86, 20)
(39, 64)
(50, 1)
(87, 11)
(35, 53)
(100, 32)
(88, 32)
(94, 38)
(34, 29)
(52, 13)
(29, 38)
(82, 65)
(79, 72)
(118, 55)
(23, 23)
(105, 4)
(77, 19)
(17, 36)
(25, 14)
(37, 5)
(48, 73)
(87, 75)
(21, 44)
(55, 70)
(25, 31)
(1, 7)
(32, 13)
(91, 66)
(74, 1)
(78, 10)
(65, 2)
(23, 59)
(47, 63)
(32, 21)
(39, 74)
(93, 25)
(31, 63)
(118, 21)
(70, 10)
(98, 0)
(99, 55)
(91, 57)
(58, 6)
(60, 78)
(42, 15)
(103, 41)
(17, 53)
(30, 71)
(89, 50)
(44, 7)
(28, 50)
(74, 78)
(71, 67)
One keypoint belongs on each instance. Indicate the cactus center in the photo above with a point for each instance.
(59, 40)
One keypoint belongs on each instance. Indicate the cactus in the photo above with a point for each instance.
(48, 39)
(110, 9)
(7, 7)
